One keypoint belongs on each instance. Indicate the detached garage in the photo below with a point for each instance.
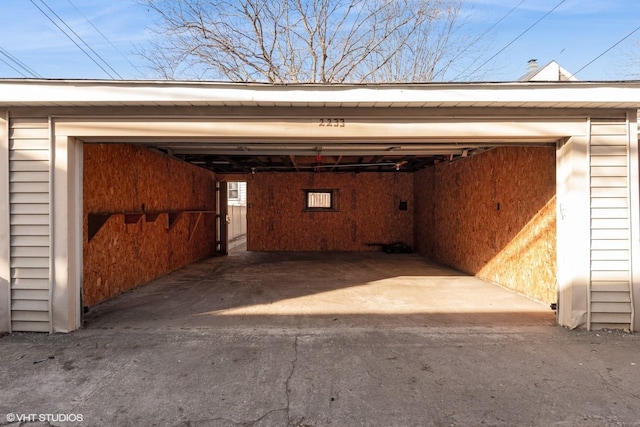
(106, 185)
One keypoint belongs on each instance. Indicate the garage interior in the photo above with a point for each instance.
(487, 210)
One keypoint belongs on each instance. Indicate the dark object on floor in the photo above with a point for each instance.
(393, 248)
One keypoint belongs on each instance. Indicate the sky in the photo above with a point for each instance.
(574, 34)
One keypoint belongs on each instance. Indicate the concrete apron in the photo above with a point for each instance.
(317, 290)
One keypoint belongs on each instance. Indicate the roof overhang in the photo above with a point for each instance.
(405, 140)
(106, 93)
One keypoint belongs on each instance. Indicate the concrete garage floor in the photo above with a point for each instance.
(272, 339)
(262, 289)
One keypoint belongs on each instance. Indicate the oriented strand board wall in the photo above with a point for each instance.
(125, 178)
(368, 211)
(493, 215)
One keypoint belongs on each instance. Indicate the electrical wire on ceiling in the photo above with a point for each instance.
(53, 21)
(518, 37)
(106, 38)
(30, 72)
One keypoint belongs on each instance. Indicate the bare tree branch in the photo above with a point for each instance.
(315, 41)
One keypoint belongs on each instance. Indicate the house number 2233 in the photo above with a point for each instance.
(337, 123)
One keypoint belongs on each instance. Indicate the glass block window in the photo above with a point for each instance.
(320, 200)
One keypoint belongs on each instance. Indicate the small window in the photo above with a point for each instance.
(320, 200)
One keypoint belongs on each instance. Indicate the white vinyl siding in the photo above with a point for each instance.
(242, 192)
(610, 284)
(29, 160)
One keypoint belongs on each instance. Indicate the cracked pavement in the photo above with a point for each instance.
(320, 377)
(269, 341)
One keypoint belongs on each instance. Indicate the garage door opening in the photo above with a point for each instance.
(490, 215)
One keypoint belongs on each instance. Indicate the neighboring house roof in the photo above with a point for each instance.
(552, 72)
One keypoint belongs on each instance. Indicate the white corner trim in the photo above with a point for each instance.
(5, 228)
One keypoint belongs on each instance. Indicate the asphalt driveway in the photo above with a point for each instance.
(320, 340)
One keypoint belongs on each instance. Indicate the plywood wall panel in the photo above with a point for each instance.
(131, 176)
(368, 211)
(493, 215)
(121, 179)
(527, 264)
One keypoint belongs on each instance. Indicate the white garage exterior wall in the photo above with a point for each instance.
(41, 162)
(29, 219)
(598, 225)
(611, 292)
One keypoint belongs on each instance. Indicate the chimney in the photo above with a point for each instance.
(532, 65)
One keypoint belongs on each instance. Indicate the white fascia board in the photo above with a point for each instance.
(94, 93)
